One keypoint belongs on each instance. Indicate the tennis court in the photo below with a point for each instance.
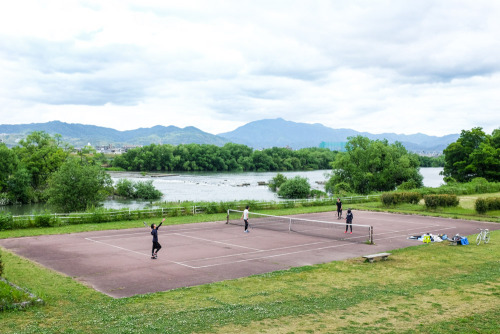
(118, 262)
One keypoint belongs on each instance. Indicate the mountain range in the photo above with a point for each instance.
(258, 134)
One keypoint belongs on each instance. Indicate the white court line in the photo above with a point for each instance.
(296, 252)
(117, 235)
(290, 253)
(126, 249)
(129, 250)
(214, 241)
(146, 233)
(269, 256)
(258, 251)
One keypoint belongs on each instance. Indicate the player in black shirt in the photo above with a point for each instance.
(156, 244)
(339, 208)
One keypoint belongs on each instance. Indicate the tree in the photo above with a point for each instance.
(146, 190)
(474, 154)
(125, 188)
(8, 165)
(76, 186)
(41, 155)
(87, 155)
(298, 187)
(19, 187)
(374, 165)
(277, 181)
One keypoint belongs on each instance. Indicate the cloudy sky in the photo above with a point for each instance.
(379, 66)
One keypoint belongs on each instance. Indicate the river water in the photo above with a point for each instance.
(216, 187)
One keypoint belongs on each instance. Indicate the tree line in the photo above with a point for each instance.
(42, 168)
(230, 157)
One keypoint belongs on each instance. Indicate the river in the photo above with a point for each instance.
(216, 187)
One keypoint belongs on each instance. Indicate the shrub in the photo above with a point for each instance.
(277, 181)
(146, 190)
(339, 189)
(342, 188)
(483, 205)
(388, 199)
(433, 201)
(408, 185)
(397, 198)
(298, 187)
(44, 220)
(317, 193)
(6, 221)
(125, 188)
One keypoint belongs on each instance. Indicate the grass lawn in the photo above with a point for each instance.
(465, 210)
(430, 288)
(10, 296)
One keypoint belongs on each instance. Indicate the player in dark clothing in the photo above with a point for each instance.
(339, 208)
(156, 244)
(348, 220)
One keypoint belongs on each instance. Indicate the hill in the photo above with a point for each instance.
(258, 134)
(80, 134)
(279, 132)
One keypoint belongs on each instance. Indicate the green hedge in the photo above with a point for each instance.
(404, 197)
(433, 201)
(483, 205)
(6, 221)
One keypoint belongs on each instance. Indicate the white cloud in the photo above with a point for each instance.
(378, 66)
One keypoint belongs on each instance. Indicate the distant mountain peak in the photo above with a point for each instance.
(263, 133)
(267, 133)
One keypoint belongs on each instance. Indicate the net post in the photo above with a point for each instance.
(371, 235)
(290, 225)
(227, 220)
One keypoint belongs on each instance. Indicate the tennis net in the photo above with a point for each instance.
(316, 228)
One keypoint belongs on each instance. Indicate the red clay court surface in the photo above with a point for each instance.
(118, 262)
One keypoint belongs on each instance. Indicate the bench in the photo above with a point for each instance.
(370, 258)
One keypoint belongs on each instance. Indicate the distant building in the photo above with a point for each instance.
(110, 149)
(334, 146)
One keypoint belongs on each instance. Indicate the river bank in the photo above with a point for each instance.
(214, 187)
